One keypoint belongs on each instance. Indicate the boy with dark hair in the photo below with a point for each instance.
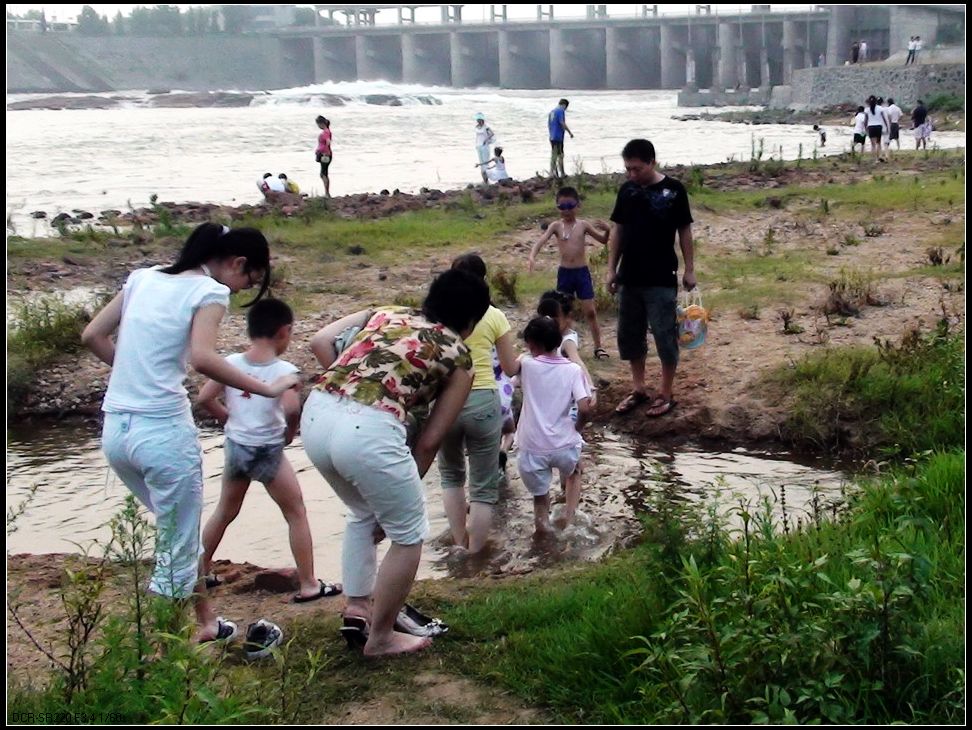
(257, 429)
(573, 275)
(548, 438)
(650, 210)
(557, 125)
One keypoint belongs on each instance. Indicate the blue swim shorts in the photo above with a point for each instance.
(576, 281)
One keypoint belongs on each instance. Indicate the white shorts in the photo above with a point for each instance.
(536, 470)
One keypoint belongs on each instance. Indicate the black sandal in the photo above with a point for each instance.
(634, 399)
(355, 632)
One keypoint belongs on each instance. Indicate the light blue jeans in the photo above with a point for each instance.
(361, 452)
(160, 461)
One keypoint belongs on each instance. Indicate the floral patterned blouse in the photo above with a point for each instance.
(397, 361)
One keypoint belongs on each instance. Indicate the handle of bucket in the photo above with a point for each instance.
(693, 296)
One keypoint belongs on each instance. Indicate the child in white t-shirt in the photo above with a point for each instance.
(546, 436)
(257, 429)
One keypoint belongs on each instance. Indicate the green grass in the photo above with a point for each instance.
(740, 279)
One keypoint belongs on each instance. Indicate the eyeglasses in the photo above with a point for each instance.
(566, 206)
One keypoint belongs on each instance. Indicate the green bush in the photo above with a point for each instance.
(946, 103)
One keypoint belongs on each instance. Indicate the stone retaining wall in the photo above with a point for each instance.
(814, 88)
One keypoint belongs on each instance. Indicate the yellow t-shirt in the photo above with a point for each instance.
(481, 342)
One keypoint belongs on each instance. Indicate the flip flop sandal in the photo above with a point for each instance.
(665, 405)
(355, 632)
(631, 401)
(327, 590)
(601, 354)
(213, 581)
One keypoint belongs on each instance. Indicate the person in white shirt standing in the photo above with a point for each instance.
(165, 320)
(484, 138)
(894, 118)
(912, 43)
(860, 130)
(863, 55)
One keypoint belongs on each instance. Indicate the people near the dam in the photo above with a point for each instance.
(484, 139)
(546, 436)
(917, 49)
(573, 274)
(323, 153)
(921, 125)
(289, 185)
(863, 51)
(855, 51)
(912, 49)
(877, 123)
(478, 430)
(556, 126)
(821, 60)
(257, 429)
(860, 130)
(894, 118)
(495, 167)
(168, 318)
(822, 133)
(269, 184)
(353, 428)
(650, 211)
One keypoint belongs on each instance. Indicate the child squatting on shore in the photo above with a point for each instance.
(547, 437)
(257, 429)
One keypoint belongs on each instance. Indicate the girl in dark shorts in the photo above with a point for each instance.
(877, 122)
(323, 152)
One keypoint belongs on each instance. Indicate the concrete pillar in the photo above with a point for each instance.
(672, 56)
(335, 59)
(475, 59)
(524, 59)
(379, 57)
(790, 50)
(426, 59)
(842, 20)
(578, 58)
(633, 58)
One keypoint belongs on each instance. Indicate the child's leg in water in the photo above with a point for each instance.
(285, 491)
(541, 514)
(572, 488)
(231, 496)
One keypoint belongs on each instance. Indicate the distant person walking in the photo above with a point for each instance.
(921, 125)
(863, 50)
(860, 130)
(912, 46)
(557, 125)
(821, 60)
(484, 138)
(894, 117)
(917, 48)
(855, 51)
(324, 153)
(877, 123)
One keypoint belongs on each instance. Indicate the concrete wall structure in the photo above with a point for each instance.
(815, 88)
(738, 52)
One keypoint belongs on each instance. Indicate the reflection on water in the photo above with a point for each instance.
(77, 494)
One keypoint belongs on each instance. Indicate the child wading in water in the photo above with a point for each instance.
(574, 276)
(548, 438)
(257, 429)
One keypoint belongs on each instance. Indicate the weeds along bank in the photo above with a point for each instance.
(852, 614)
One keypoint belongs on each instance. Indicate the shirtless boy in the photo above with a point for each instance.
(573, 276)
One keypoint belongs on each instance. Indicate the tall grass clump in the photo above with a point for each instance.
(42, 330)
(897, 399)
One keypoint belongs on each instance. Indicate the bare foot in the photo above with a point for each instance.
(542, 529)
(395, 643)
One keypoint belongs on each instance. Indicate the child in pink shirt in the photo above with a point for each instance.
(548, 438)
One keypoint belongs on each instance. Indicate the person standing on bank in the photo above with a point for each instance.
(484, 139)
(323, 152)
(651, 208)
(557, 125)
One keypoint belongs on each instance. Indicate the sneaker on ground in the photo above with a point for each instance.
(261, 637)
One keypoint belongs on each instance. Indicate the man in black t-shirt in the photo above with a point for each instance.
(650, 210)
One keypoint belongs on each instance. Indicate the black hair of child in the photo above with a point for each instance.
(564, 301)
(639, 149)
(568, 192)
(456, 299)
(544, 333)
(266, 317)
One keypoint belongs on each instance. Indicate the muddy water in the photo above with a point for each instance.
(77, 494)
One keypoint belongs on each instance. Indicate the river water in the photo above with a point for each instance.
(107, 159)
(76, 495)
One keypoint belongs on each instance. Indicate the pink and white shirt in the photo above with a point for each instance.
(551, 384)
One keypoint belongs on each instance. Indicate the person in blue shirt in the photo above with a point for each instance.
(557, 124)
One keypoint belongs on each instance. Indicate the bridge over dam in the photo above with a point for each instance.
(760, 48)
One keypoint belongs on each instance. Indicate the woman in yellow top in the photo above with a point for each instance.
(478, 429)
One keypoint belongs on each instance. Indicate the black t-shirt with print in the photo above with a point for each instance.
(649, 216)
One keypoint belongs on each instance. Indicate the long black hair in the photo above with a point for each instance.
(211, 241)
(872, 102)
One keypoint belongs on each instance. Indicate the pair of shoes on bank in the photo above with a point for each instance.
(409, 621)
(261, 637)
